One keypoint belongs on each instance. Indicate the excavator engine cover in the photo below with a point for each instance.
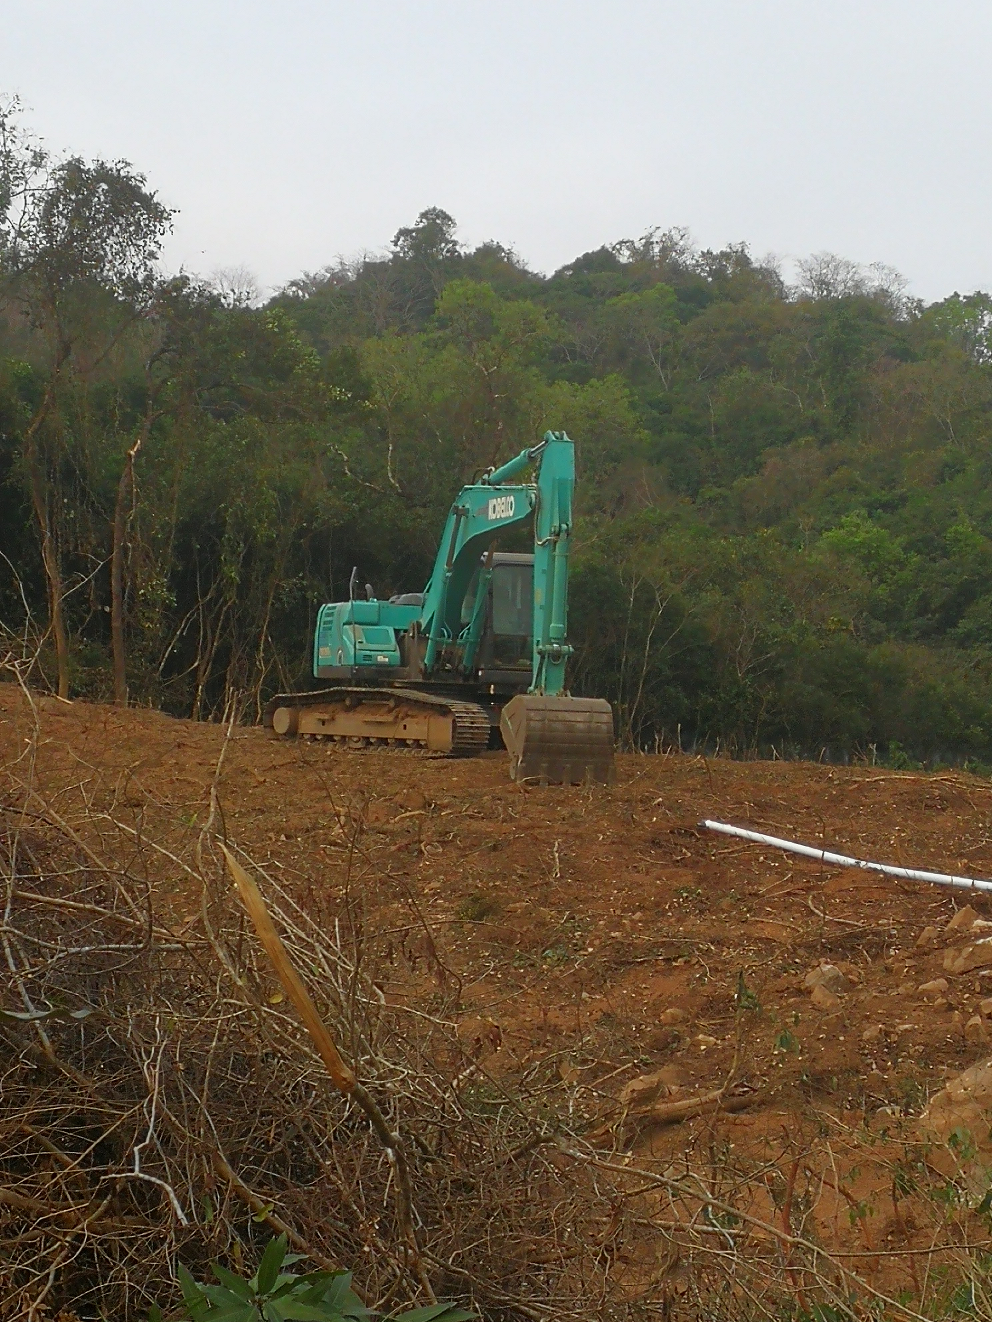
(565, 741)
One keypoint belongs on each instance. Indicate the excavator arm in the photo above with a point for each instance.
(549, 734)
(478, 514)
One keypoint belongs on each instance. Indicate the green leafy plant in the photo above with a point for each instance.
(745, 998)
(962, 1143)
(786, 1042)
(276, 1295)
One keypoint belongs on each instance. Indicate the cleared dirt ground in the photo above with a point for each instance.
(605, 930)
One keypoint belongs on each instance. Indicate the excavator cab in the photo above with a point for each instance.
(506, 644)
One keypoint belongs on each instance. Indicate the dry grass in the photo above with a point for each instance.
(159, 1101)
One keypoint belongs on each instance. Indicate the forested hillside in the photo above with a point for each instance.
(786, 526)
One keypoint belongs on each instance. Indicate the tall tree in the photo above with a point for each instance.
(80, 263)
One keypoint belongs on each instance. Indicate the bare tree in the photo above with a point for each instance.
(826, 275)
(237, 287)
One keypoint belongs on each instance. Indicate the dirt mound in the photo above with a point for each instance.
(687, 1005)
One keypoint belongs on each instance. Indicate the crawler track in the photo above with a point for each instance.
(360, 716)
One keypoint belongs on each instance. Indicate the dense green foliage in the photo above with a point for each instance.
(786, 520)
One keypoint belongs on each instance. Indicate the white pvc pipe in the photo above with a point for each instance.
(842, 860)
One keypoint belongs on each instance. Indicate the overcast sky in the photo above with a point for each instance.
(288, 133)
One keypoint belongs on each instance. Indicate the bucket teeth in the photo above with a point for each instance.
(559, 740)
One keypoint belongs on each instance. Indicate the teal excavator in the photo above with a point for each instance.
(479, 656)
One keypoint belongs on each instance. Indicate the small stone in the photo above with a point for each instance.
(872, 1033)
(927, 936)
(969, 957)
(658, 1039)
(828, 976)
(647, 1089)
(975, 1030)
(962, 920)
(985, 1007)
(673, 1015)
(935, 986)
(940, 1003)
(825, 999)
(411, 800)
(962, 1106)
(704, 1040)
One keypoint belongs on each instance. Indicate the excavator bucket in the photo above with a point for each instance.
(559, 741)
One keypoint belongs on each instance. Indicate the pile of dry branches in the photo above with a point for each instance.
(160, 1100)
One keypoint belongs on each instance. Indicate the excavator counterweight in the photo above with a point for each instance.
(479, 656)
